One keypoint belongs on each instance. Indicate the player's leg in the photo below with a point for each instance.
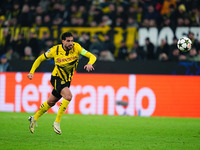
(43, 108)
(67, 96)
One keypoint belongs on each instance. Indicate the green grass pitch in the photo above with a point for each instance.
(91, 132)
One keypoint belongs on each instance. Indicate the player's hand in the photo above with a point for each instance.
(30, 76)
(89, 67)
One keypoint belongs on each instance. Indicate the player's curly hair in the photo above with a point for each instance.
(66, 34)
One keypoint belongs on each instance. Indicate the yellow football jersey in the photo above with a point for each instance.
(65, 61)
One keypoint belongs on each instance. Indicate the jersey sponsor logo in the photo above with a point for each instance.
(59, 60)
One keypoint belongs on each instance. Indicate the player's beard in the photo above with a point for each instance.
(68, 47)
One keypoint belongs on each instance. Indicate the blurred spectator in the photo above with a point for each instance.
(73, 12)
(26, 17)
(5, 42)
(152, 23)
(33, 42)
(93, 24)
(2, 21)
(133, 55)
(166, 6)
(91, 14)
(174, 44)
(163, 48)
(123, 51)
(106, 21)
(11, 54)
(28, 55)
(16, 10)
(112, 12)
(96, 45)
(84, 40)
(140, 14)
(47, 21)
(108, 44)
(180, 22)
(80, 22)
(43, 40)
(163, 57)
(132, 12)
(151, 13)
(180, 15)
(49, 43)
(19, 44)
(120, 22)
(75, 36)
(132, 22)
(187, 21)
(121, 17)
(98, 15)
(193, 55)
(65, 15)
(38, 21)
(57, 16)
(195, 42)
(44, 5)
(82, 13)
(194, 15)
(106, 55)
(145, 23)
(136, 51)
(148, 50)
(4, 64)
(182, 57)
(39, 11)
(174, 55)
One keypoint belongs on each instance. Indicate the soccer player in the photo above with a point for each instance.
(66, 57)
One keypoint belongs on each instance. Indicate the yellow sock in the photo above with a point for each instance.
(63, 107)
(43, 108)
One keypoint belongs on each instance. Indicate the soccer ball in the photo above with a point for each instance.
(184, 44)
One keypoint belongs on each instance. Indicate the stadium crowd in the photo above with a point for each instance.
(98, 13)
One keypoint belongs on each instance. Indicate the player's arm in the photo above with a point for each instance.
(36, 64)
(92, 60)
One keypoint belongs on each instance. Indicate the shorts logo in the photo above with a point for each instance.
(62, 82)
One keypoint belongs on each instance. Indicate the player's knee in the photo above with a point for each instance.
(68, 97)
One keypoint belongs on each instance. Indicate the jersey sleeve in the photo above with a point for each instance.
(37, 62)
(87, 54)
(91, 57)
(79, 48)
(50, 53)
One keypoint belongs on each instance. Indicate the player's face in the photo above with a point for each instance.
(68, 43)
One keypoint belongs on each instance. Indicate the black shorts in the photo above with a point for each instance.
(58, 85)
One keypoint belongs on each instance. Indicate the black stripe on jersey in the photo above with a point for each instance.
(65, 72)
(57, 49)
(61, 72)
(73, 62)
(73, 71)
(45, 56)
